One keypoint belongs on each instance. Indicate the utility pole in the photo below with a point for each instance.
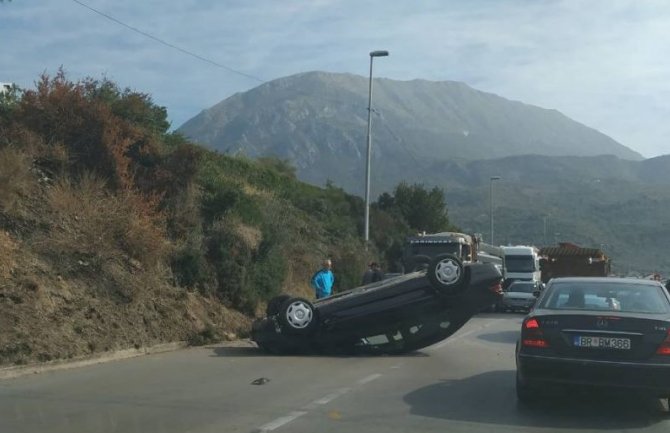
(491, 179)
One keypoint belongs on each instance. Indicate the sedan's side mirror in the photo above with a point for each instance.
(536, 293)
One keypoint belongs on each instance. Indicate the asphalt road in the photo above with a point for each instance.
(463, 384)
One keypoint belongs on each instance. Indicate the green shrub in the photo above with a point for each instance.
(190, 267)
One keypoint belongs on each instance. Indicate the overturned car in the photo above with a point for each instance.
(396, 315)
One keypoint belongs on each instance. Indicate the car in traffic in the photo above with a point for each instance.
(598, 332)
(395, 315)
(520, 296)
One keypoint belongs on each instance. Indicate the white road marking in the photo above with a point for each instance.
(396, 366)
(272, 425)
(369, 378)
(327, 398)
(332, 396)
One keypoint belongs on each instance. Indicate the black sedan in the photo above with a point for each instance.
(602, 332)
(396, 315)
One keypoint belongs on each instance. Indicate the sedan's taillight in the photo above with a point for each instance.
(531, 334)
(664, 348)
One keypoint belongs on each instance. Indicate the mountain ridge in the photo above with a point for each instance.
(318, 120)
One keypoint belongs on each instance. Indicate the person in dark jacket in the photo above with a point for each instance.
(373, 274)
(367, 275)
(377, 273)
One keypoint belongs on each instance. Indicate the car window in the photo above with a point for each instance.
(604, 296)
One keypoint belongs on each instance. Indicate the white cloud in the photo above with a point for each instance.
(601, 62)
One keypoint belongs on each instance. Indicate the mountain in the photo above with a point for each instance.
(318, 121)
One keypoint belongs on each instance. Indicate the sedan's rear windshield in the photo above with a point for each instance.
(605, 296)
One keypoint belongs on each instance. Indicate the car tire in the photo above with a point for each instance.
(446, 274)
(298, 316)
(274, 306)
(524, 392)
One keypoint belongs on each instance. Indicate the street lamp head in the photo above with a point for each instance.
(379, 53)
(495, 178)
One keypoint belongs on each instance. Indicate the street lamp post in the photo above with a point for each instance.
(491, 179)
(373, 54)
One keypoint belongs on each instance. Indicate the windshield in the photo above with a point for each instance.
(520, 264)
(596, 296)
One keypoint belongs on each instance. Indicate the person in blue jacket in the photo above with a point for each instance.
(323, 280)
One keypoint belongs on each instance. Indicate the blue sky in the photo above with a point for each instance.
(604, 63)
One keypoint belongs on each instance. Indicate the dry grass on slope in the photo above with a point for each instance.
(82, 271)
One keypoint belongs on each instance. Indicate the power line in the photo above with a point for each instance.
(160, 41)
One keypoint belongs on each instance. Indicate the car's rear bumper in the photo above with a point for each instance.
(651, 377)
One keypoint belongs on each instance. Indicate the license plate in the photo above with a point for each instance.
(602, 342)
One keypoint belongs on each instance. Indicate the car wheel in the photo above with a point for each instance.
(446, 274)
(298, 316)
(524, 393)
(274, 306)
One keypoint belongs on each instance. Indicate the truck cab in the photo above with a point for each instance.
(420, 249)
(521, 263)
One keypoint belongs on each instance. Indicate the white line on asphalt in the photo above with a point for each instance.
(369, 378)
(330, 397)
(397, 366)
(280, 421)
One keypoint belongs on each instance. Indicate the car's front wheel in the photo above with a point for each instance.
(446, 274)
(298, 316)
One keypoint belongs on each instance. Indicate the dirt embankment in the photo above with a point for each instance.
(46, 316)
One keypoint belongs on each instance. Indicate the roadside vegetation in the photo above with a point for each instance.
(117, 233)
